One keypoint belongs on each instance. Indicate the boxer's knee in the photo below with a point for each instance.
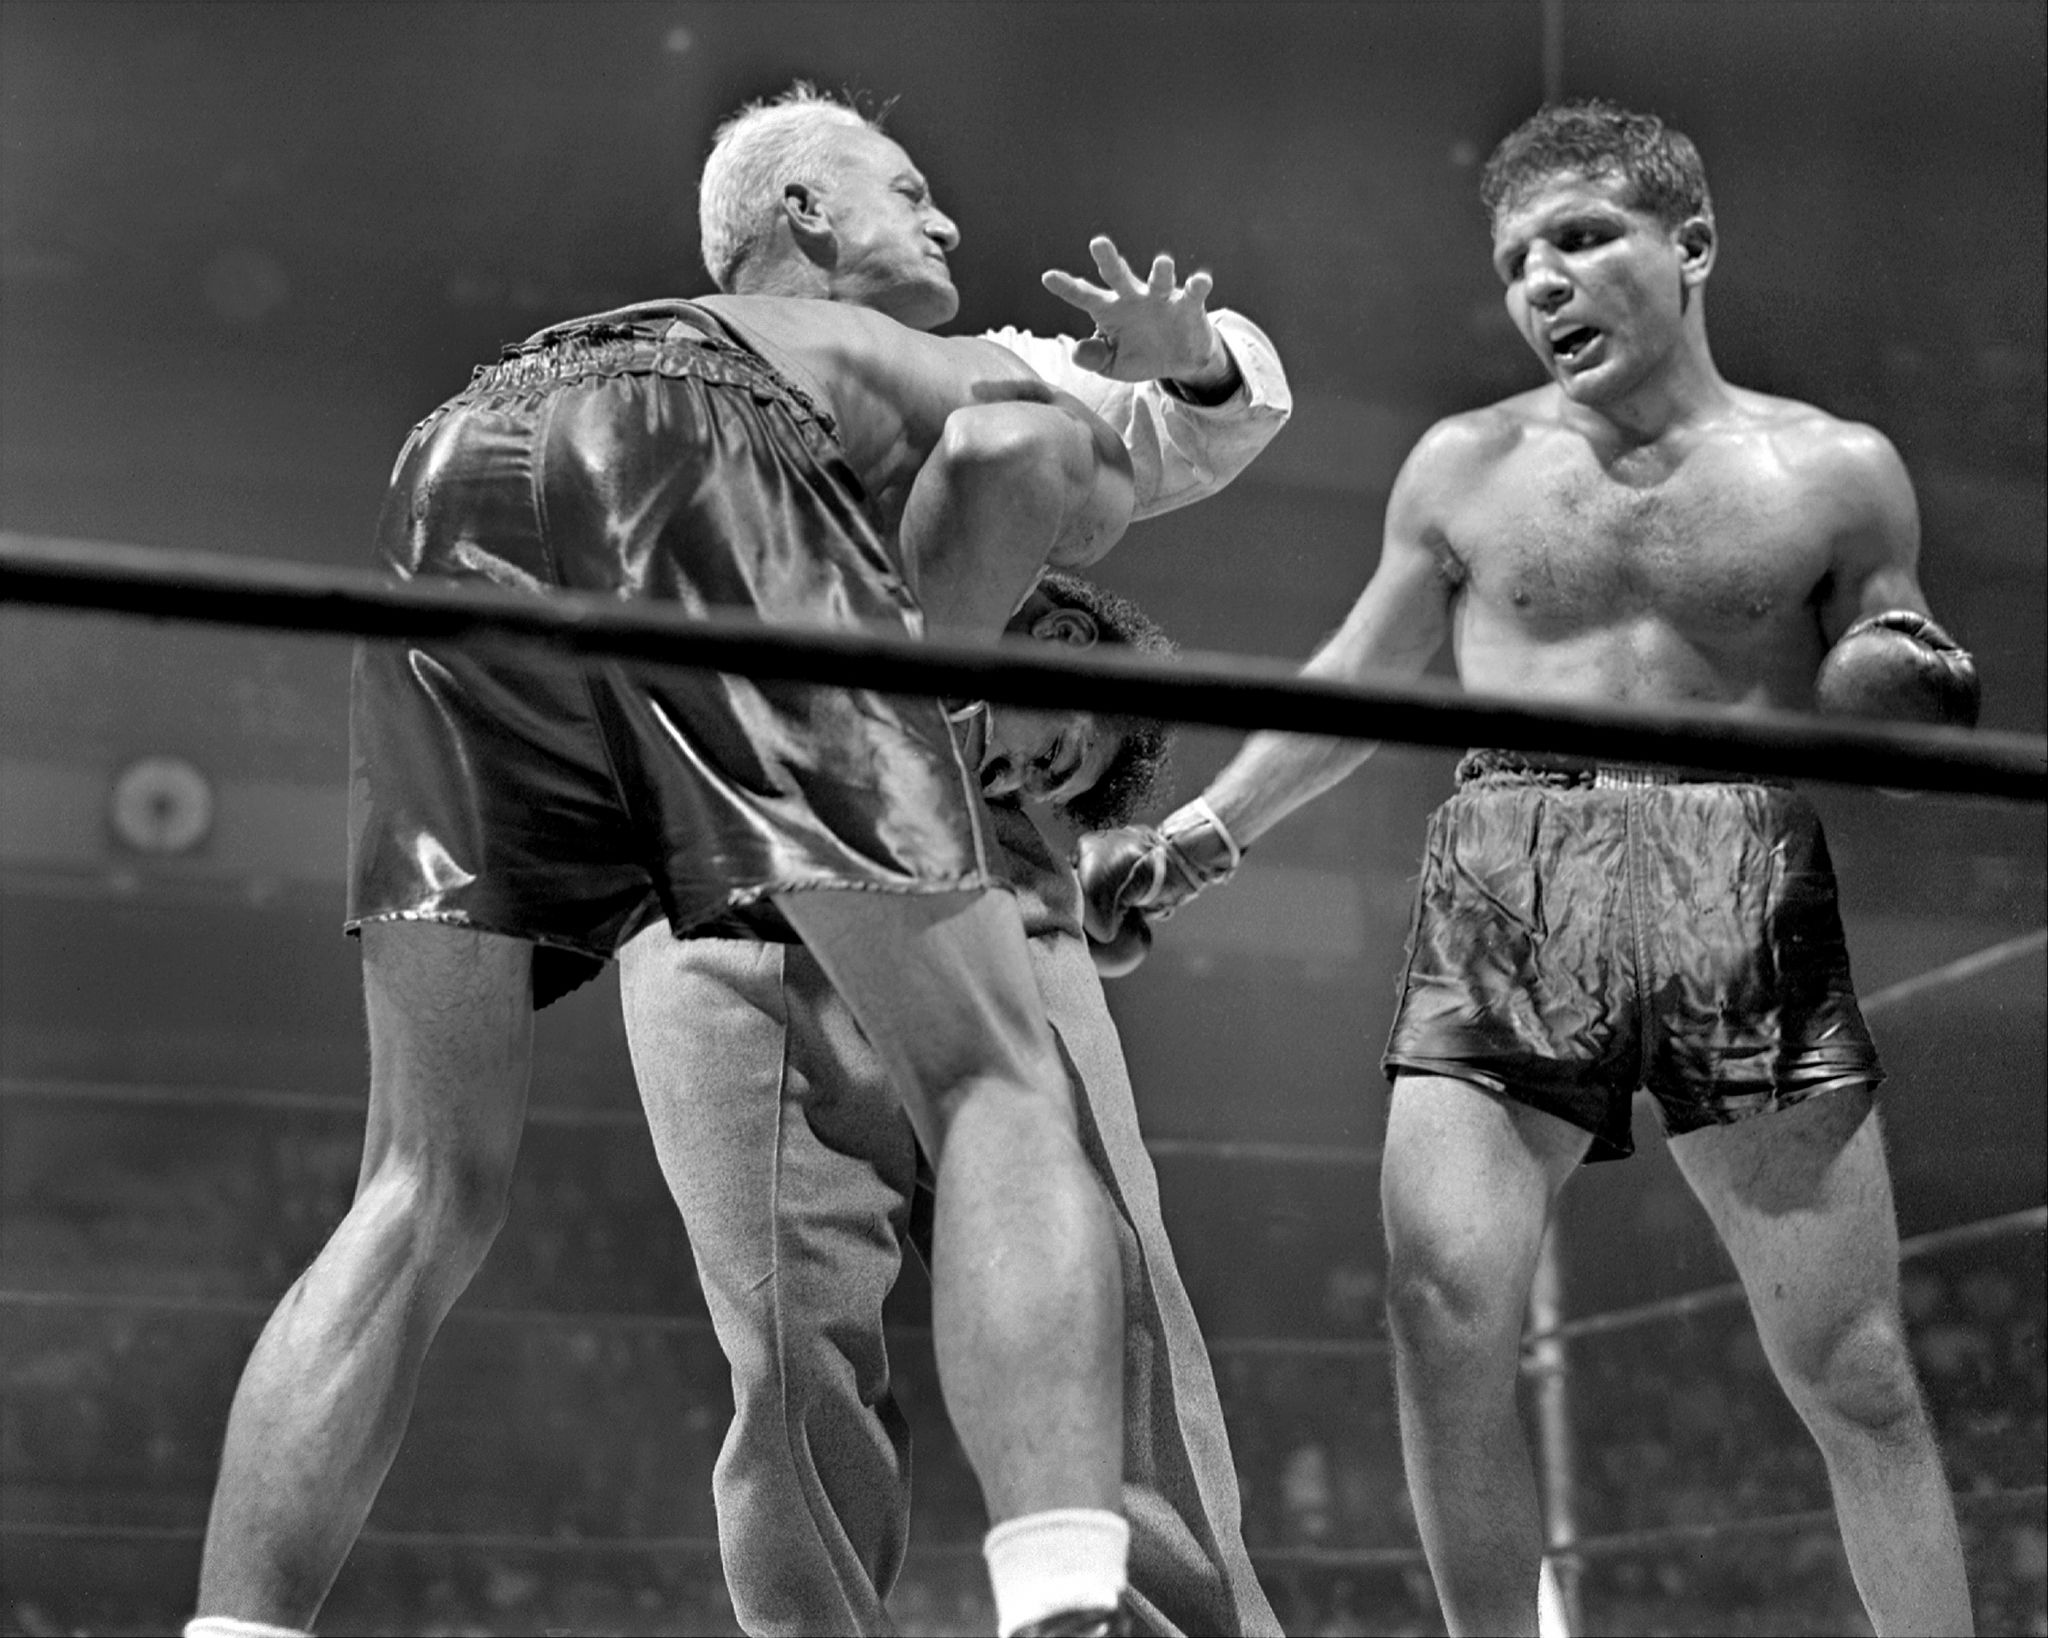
(1855, 1377)
(1451, 1308)
(435, 1211)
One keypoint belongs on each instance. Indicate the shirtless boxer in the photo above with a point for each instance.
(1637, 529)
(818, 464)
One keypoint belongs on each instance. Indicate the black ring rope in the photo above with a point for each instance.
(1222, 691)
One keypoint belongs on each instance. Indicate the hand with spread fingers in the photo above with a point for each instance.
(1150, 330)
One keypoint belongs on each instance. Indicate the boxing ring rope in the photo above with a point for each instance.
(1220, 691)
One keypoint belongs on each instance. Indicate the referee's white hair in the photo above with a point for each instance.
(754, 155)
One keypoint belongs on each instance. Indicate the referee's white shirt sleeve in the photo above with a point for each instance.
(1180, 452)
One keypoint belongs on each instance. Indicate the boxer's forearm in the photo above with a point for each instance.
(1274, 774)
(1009, 487)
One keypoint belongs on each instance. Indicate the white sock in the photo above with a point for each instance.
(226, 1626)
(1070, 1558)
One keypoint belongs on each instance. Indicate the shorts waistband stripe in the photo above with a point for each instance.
(1573, 773)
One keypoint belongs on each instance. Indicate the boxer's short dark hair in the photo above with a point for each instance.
(1590, 137)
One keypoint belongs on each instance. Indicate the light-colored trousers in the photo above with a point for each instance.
(797, 1175)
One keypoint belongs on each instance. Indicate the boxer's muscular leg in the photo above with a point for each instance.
(1026, 1292)
(1465, 1190)
(324, 1399)
(789, 1157)
(1802, 1199)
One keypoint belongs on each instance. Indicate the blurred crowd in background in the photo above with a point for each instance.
(557, 1477)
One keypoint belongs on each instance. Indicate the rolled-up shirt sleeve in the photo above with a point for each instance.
(1180, 452)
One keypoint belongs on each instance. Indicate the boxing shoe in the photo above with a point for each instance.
(1137, 875)
(1898, 666)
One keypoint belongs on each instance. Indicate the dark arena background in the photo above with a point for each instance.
(246, 246)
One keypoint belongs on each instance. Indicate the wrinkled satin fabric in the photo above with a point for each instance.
(643, 454)
(1581, 934)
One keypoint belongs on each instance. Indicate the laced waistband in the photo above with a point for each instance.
(1576, 773)
(670, 338)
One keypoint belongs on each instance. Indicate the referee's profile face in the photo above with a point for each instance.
(890, 236)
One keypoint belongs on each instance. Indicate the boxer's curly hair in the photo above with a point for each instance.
(1137, 778)
(1592, 137)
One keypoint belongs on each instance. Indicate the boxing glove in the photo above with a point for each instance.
(1135, 876)
(1901, 667)
(1121, 953)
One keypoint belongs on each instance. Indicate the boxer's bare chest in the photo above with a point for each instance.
(1720, 541)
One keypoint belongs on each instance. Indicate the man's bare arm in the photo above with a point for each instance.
(1136, 875)
(1017, 481)
(1876, 559)
(1394, 629)
(1887, 658)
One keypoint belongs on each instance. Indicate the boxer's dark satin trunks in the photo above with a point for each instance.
(643, 454)
(1581, 933)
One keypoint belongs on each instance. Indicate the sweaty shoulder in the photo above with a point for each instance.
(896, 358)
(809, 326)
(1848, 463)
(1810, 440)
(1462, 449)
(866, 364)
(1846, 490)
(1453, 461)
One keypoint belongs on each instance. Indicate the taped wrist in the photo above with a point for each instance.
(1199, 846)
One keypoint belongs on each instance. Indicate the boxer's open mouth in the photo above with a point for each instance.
(1567, 344)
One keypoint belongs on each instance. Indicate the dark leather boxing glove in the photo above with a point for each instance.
(1121, 954)
(1135, 876)
(1901, 667)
